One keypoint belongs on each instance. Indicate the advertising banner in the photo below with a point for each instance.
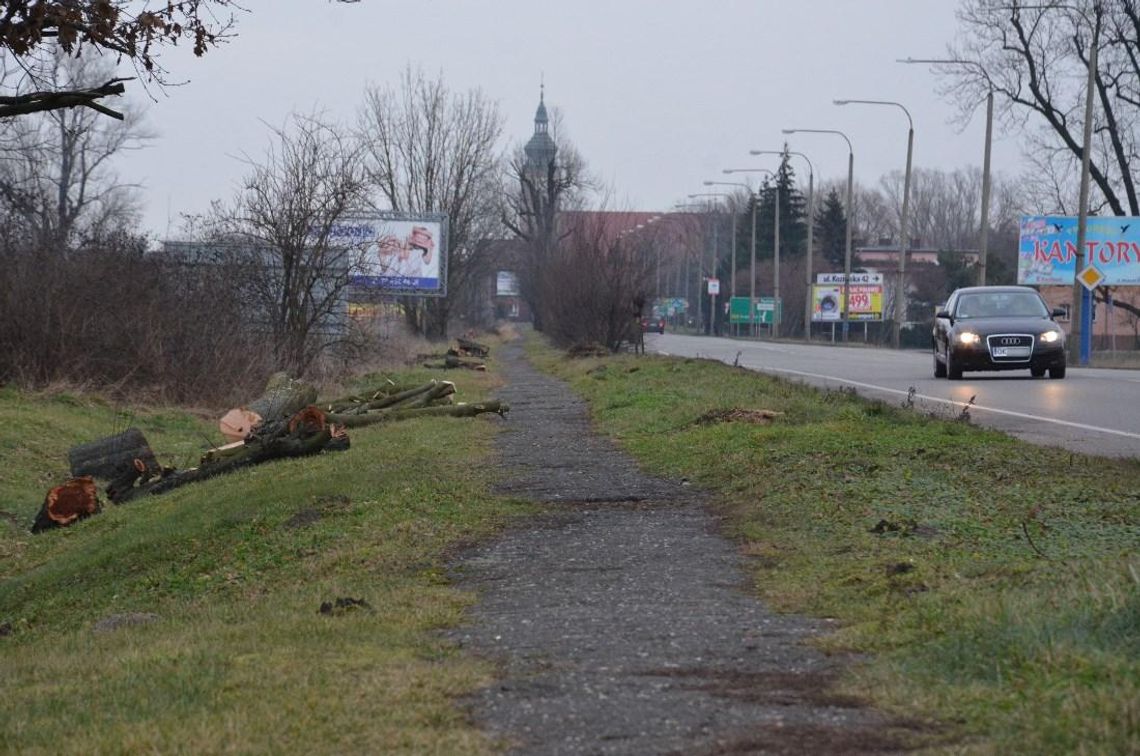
(866, 302)
(506, 284)
(1047, 252)
(403, 253)
(825, 299)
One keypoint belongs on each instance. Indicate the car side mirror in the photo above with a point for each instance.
(943, 314)
(1058, 312)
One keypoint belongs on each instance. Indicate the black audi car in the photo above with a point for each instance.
(998, 328)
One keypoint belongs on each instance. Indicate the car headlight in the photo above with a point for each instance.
(968, 337)
(1051, 336)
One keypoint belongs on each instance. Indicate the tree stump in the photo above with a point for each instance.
(71, 502)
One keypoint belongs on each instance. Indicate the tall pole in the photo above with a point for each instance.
(847, 246)
(983, 241)
(810, 227)
(810, 251)
(850, 216)
(732, 285)
(1080, 333)
(712, 274)
(752, 270)
(985, 230)
(904, 243)
(776, 265)
(900, 287)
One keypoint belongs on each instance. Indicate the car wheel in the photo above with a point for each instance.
(1057, 372)
(939, 367)
(1037, 372)
(953, 372)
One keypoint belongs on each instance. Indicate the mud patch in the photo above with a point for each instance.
(797, 739)
(129, 619)
(738, 415)
(774, 688)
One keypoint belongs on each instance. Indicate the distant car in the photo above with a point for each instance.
(998, 328)
(653, 325)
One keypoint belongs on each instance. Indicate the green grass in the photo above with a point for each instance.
(1012, 645)
(240, 659)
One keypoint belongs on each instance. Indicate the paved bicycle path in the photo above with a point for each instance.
(623, 621)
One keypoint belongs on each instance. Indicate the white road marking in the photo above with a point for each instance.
(952, 402)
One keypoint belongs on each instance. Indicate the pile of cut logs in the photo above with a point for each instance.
(287, 421)
(455, 356)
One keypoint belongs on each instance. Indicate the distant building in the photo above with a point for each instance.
(886, 254)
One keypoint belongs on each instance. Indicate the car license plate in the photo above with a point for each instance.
(1011, 351)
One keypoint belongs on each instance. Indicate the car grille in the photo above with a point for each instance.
(1010, 347)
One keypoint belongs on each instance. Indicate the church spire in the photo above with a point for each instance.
(541, 150)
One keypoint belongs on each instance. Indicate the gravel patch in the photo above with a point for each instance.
(623, 622)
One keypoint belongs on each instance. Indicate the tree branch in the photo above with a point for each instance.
(38, 102)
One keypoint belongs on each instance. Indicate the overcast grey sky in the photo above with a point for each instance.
(658, 95)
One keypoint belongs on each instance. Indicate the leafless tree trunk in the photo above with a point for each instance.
(433, 150)
(279, 229)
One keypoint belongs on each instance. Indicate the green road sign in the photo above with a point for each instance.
(765, 310)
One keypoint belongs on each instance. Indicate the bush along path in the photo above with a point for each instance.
(622, 621)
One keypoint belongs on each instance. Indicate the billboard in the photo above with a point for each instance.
(866, 301)
(403, 253)
(1047, 251)
(506, 284)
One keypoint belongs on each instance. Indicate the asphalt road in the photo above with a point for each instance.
(1092, 410)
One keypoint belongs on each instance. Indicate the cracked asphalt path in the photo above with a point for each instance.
(622, 620)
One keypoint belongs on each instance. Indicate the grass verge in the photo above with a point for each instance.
(995, 585)
(236, 656)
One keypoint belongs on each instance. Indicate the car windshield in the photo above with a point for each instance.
(1001, 304)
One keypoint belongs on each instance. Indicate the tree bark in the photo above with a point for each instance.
(454, 410)
(108, 458)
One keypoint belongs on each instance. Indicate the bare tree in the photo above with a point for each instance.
(537, 187)
(597, 282)
(280, 229)
(433, 150)
(57, 182)
(1034, 57)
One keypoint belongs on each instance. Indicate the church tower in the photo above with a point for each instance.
(540, 150)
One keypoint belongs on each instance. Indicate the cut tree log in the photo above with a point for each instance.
(109, 458)
(306, 432)
(71, 502)
(452, 360)
(473, 347)
(453, 410)
(283, 397)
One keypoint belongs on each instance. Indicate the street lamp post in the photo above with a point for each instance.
(684, 207)
(775, 253)
(810, 227)
(984, 232)
(1081, 317)
(732, 274)
(904, 238)
(850, 218)
(712, 272)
